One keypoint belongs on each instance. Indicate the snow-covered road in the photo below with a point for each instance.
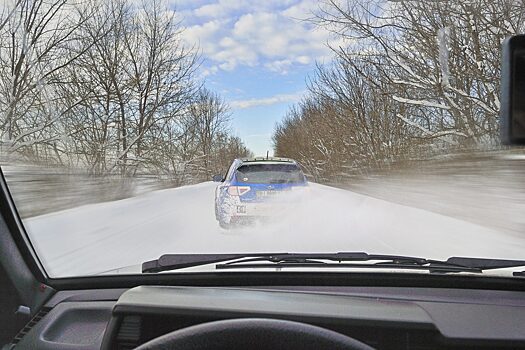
(99, 237)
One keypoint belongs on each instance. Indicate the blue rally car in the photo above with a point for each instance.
(256, 188)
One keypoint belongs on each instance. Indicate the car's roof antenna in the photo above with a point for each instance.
(267, 153)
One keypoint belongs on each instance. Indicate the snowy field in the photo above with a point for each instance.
(95, 238)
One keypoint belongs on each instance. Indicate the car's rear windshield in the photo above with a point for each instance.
(270, 173)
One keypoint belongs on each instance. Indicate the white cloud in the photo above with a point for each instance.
(229, 8)
(255, 102)
(204, 34)
(267, 34)
(302, 10)
(212, 10)
(209, 71)
(178, 4)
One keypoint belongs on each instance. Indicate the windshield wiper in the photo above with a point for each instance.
(343, 259)
(490, 264)
(347, 260)
(179, 261)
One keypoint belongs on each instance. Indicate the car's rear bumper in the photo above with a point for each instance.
(259, 209)
(235, 208)
(248, 220)
(248, 213)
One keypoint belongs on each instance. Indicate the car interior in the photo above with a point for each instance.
(320, 310)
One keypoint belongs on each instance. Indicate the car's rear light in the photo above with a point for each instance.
(238, 190)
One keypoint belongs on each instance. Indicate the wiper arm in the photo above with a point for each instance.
(485, 264)
(169, 262)
(264, 260)
(490, 264)
(179, 261)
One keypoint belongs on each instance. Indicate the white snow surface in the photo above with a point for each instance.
(96, 238)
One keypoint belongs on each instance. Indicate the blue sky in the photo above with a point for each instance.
(257, 55)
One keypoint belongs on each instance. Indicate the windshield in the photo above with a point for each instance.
(132, 129)
(269, 174)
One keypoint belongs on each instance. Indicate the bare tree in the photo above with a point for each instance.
(210, 115)
(35, 42)
(441, 57)
(139, 79)
(411, 79)
(99, 122)
(347, 123)
(108, 86)
(160, 70)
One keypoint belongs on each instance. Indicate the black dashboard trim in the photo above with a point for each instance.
(65, 328)
(259, 278)
(486, 307)
(472, 326)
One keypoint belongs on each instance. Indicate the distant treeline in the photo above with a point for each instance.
(108, 86)
(409, 80)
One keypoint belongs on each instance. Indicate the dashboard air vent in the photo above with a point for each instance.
(40, 314)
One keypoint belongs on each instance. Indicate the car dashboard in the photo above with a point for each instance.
(382, 317)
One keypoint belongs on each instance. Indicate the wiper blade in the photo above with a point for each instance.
(264, 260)
(344, 260)
(348, 260)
